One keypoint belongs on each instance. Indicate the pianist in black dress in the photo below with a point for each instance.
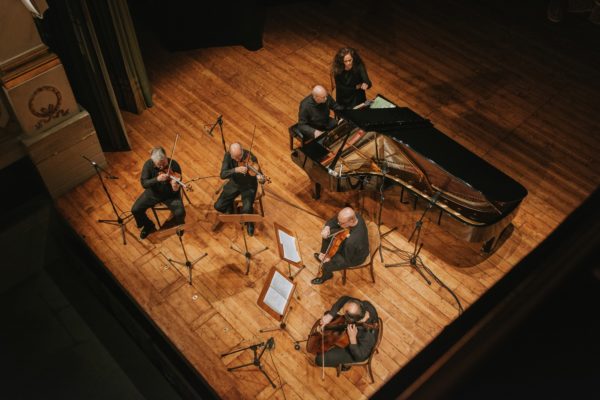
(353, 250)
(349, 78)
(314, 114)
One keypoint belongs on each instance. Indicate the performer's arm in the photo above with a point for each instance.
(333, 105)
(362, 349)
(146, 178)
(362, 70)
(226, 171)
(303, 122)
(335, 309)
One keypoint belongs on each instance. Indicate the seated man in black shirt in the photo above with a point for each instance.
(313, 116)
(159, 188)
(240, 182)
(353, 250)
(362, 339)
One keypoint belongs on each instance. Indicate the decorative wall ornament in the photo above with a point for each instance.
(45, 103)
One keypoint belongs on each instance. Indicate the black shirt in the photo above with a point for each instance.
(347, 95)
(161, 190)
(228, 171)
(355, 248)
(313, 115)
(365, 338)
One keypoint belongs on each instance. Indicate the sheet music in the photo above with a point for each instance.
(290, 251)
(279, 292)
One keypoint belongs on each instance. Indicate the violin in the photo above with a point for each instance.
(253, 168)
(176, 177)
(334, 334)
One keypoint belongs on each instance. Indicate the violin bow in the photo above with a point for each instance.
(250, 155)
(171, 161)
(323, 352)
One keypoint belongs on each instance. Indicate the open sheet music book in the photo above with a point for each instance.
(276, 294)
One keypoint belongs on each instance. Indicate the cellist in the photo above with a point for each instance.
(357, 314)
(352, 251)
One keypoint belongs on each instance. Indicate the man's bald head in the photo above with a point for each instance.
(235, 150)
(347, 217)
(319, 94)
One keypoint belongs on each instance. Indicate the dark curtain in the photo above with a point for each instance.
(119, 44)
(68, 30)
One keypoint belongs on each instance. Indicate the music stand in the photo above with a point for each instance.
(187, 263)
(289, 251)
(268, 345)
(121, 218)
(242, 219)
(275, 298)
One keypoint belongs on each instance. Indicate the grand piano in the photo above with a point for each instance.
(385, 147)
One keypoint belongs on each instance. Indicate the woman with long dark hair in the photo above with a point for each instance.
(349, 78)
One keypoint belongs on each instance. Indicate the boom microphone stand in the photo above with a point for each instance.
(187, 263)
(121, 218)
(414, 260)
(268, 345)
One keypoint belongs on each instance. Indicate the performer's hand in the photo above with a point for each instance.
(326, 319)
(260, 178)
(318, 133)
(241, 169)
(174, 186)
(352, 333)
(364, 86)
(162, 177)
(325, 232)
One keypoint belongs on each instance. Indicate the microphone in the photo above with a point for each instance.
(219, 121)
(332, 172)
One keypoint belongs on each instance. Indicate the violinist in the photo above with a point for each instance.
(237, 166)
(352, 251)
(361, 319)
(159, 188)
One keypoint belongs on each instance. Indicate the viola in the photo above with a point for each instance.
(253, 169)
(334, 334)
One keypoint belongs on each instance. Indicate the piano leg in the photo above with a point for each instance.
(489, 245)
(317, 192)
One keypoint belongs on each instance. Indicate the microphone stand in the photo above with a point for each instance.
(219, 122)
(121, 218)
(269, 344)
(413, 259)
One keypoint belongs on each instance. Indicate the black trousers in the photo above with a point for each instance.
(230, 191)
(336, 263)
(148, 199)
(335, 357)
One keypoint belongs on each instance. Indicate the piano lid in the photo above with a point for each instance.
(408, 128)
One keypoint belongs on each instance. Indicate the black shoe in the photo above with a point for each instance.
(321, 279)
(250, 228)
(346, 367)
(317, 257)
(146, 230)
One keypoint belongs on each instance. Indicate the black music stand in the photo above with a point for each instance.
(242, 219)
(187, 263)
(121, 218)
(268, 345)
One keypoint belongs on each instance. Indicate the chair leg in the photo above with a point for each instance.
(156, 217)
(343, 277)
(370, 372)
(371, 270)
(262, 212)
(338, 369)
(186, 196)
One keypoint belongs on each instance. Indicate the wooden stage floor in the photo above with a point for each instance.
(518, 94)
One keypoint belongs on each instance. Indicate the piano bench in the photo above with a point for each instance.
(295, 133)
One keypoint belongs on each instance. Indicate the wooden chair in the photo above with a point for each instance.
(258, 205)
(162, 207)
(367, 363)
(373, 248)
